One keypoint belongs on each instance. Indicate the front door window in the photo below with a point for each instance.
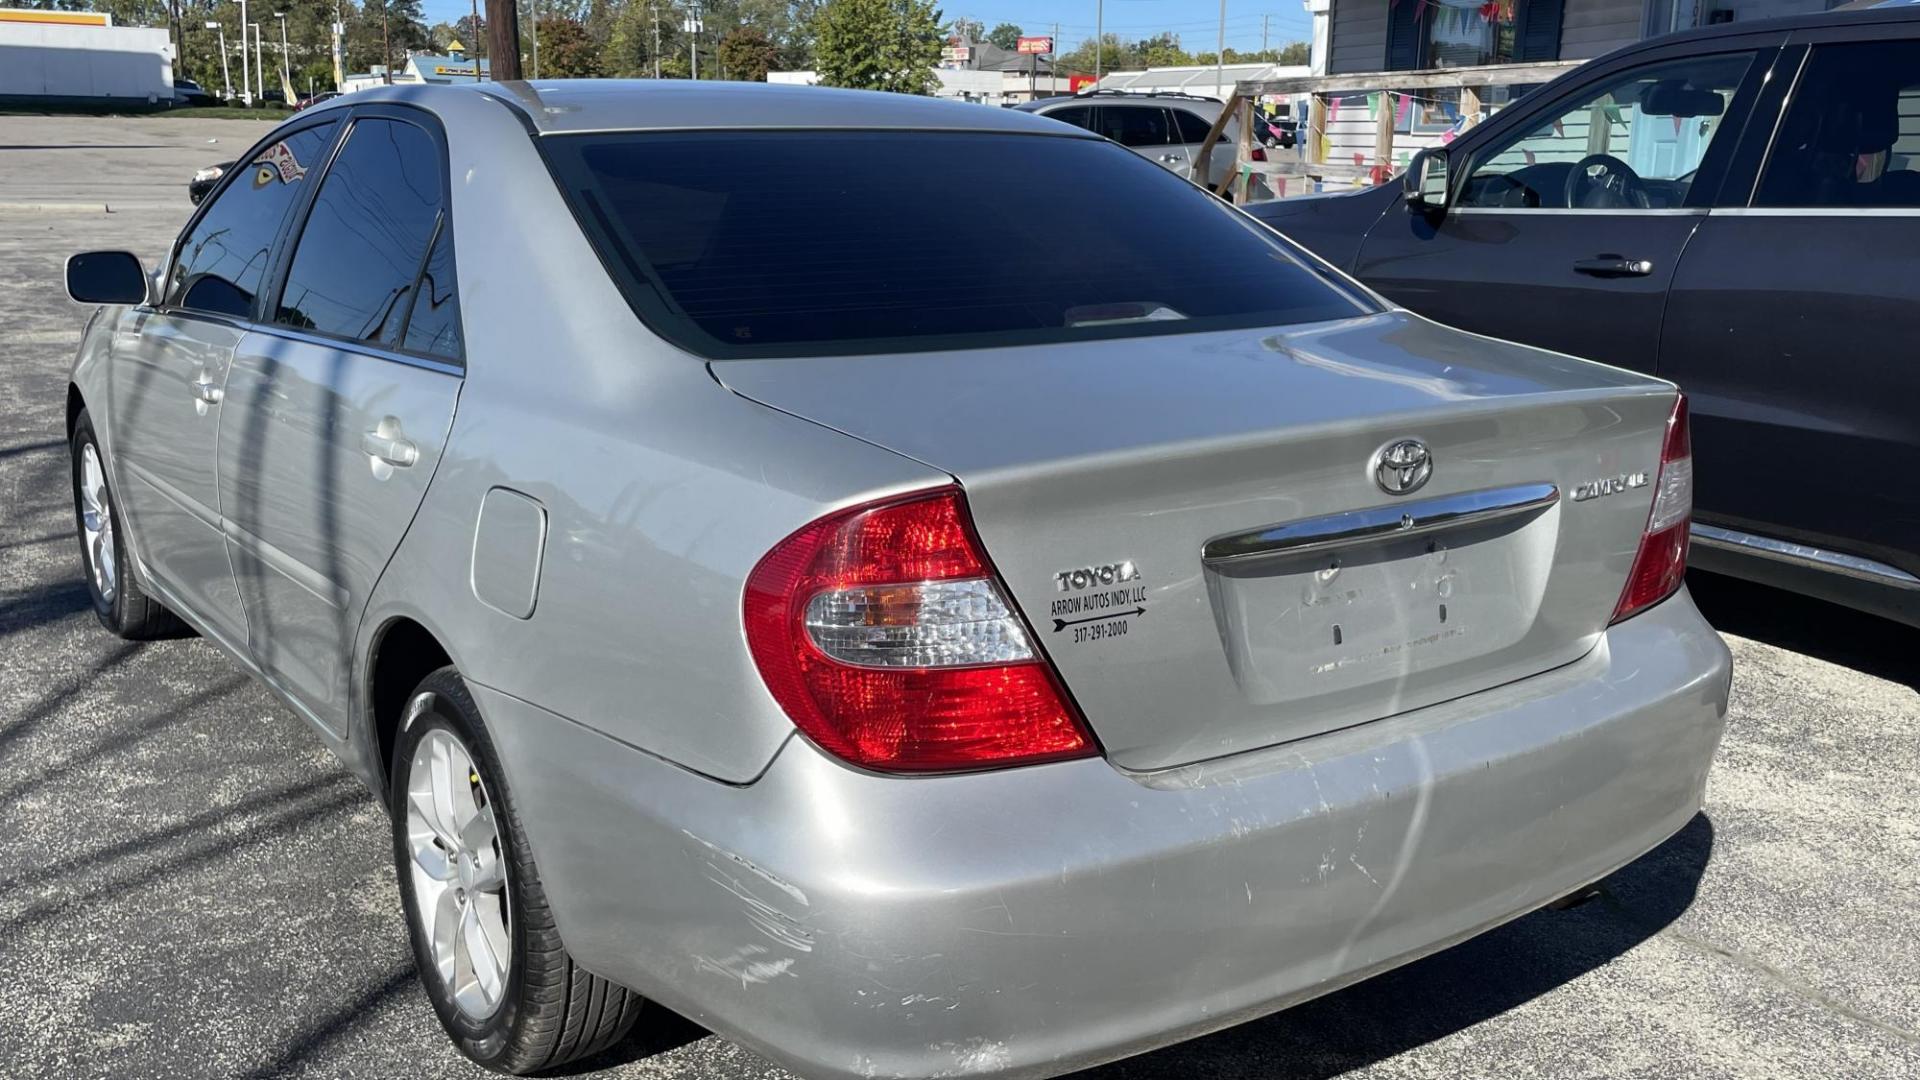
(1636, 143)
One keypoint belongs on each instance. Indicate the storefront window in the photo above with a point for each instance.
(1468, 33)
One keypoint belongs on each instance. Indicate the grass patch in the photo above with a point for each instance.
(226, 112)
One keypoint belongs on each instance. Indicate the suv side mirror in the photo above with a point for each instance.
(1425, 182)
(106, 277)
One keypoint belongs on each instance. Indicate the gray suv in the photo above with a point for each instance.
(1163, 127)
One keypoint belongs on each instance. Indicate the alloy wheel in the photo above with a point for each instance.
(459, 873)
(96, 521)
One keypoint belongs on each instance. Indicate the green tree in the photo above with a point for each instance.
(566, 49)
(628, 53)
(472, 33)
(1108, 54)
(1006, 36)
(878, 45)
(746, 55)
(1161, 50)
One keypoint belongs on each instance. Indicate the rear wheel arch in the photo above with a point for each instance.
(75, 403)
(404, 652)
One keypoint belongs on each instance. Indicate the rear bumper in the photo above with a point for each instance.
(1036, 920)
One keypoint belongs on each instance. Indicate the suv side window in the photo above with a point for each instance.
(1192, 127)
(1136, 125)
(1851, 137)
(361, 258)
(1080, 116)
(223, 261)
(1634, 144)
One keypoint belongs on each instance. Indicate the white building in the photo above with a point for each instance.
(1201, 80)
(979, 87)
(81, 58)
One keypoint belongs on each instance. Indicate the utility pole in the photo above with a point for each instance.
(226, 75)
(339, 49)
(503, 39)
(1099, 38)
(535, 23)
(1263, 35)
(259, 63)
(286, 66)
(1053, 63)
(1220, 56)
(654, 6)
(246, 79)
(386, 49)
(693, 27)
(473, 31)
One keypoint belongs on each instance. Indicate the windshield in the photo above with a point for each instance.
(763, 243)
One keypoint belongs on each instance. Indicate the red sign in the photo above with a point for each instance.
(1035, 45)
(1077, 83)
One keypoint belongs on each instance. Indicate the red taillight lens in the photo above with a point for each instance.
(1258, 153)
(884, 633)
(1661, 563)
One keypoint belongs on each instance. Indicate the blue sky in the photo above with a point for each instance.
(1196, 21)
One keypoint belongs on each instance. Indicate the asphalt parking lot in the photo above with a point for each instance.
(189, 885)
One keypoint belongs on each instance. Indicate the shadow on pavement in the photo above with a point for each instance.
(1866, 643)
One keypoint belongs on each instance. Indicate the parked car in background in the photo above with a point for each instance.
(1736, 209)
(187, 93)
(1165, 127)
(909, 658)
(311, 100)
(1279, 134)
(204, 180)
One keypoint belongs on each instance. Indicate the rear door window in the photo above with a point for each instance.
(1080, 116)
(1192, 128)
(1136, 125)
(363, 253)
(223, 260)
(840, 256)
(1851, 136)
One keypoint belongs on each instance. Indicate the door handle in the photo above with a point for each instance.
(1614, 266)
(385, 443)
(206, 391)
(1171, 159)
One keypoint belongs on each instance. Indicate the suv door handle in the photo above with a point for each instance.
(1614, 266)
(205, 390)
(386, 443)
(1171, 159)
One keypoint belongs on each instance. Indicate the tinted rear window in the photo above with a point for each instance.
(736, 244)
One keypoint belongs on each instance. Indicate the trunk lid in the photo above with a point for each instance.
(1193, 526)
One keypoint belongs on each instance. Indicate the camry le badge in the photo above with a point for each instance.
(1608, 485)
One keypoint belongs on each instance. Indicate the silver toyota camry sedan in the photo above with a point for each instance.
(911, 586)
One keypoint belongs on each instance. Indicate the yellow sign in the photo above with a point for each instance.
(63, 18)
(443, 69)
(455, 46)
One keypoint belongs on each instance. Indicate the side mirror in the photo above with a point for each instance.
(1425, 182)
(106, 277)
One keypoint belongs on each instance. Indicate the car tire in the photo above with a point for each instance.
(462, 857)
(118, 601)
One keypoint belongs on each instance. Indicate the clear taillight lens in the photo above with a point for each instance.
(1661, 563)
(884, 633)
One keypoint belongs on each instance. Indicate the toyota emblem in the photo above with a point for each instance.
(1402, 466)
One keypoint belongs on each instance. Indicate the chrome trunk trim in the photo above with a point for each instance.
(1766, 547)
(1379, 523)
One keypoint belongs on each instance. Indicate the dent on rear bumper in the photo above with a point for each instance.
(1036, 920)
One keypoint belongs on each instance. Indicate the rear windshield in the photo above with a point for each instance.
(761, 243)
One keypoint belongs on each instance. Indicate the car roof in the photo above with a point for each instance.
(564, 106)
(1860, 15)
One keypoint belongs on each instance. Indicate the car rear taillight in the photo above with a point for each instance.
(1258, 153)
(884, 633)
(1662, 560)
